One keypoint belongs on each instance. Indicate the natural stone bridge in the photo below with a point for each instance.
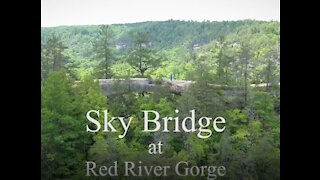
(115, 86)
(118, 86)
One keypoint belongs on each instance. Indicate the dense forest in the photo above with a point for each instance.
(239, 54)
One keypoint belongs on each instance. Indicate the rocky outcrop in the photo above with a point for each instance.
(118, 86)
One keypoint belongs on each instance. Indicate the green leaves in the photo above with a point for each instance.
(141, 57)
(249, 147)
(103, 49)
(52, 55)
(64, 141)
(90, 46)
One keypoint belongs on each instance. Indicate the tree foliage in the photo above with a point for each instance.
(103, 49)
(222, 58)
(141, 57)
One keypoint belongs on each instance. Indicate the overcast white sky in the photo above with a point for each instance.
(87, 12)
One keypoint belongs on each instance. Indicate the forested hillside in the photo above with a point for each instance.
(181, 43)
(224, 54)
